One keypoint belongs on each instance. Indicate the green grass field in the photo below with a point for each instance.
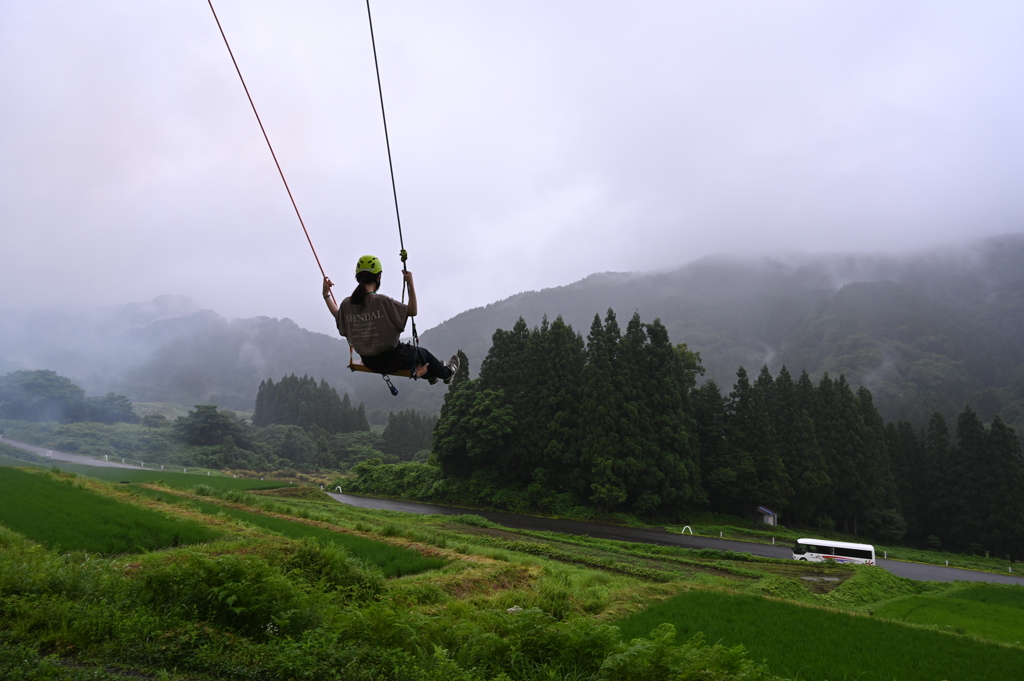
(64, 517)
(811, 644)
(996, 594)
(392, 560)
(987, 611)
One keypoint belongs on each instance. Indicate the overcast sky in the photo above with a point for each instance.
(534, 143)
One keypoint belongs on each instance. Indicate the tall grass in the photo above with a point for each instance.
(812, 644)
(66, 517)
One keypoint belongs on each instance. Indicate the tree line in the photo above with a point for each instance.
(302, 402)
(619, 423)
(297, 423)
(43, 395)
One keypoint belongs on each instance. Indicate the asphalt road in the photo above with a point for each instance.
(54, 455)
(918, 571)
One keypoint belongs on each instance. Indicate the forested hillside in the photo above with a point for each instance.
(618, 424)
(925, 332)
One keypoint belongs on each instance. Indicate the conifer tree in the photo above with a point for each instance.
(829, 431)
(406, 433)
(799, 449)
(761, 476)
(641, 478)
(1004, 522)
(880, 507)
(598, 479)
(475, 427)
(503, 375)
(773, 488)
(853, 495)
(669, 417)
(905, 455)
(971, 482)
(473, 432)
(301, 402)
(547, 411)
(505, 364)
(717, 470)
(936, 482)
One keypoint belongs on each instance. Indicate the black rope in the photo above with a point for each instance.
(387, 140)
(391, 167)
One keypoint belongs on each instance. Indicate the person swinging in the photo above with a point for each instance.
(372, 323)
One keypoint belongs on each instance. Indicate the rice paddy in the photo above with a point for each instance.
(393, 561)
(797, 642)
(991, 612)
(813, 644)
(66, 517)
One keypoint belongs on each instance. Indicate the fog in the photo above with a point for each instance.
(534, 143)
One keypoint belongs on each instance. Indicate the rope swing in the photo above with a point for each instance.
(269, 145)
(354, 366)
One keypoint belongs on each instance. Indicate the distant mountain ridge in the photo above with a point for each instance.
(171, 351)
(924, 331)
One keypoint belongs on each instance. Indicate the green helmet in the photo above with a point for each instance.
(369, 263)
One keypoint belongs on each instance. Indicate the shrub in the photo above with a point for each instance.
(474, 520)
(331, 567)
(242, 593)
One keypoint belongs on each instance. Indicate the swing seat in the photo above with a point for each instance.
(357, 365)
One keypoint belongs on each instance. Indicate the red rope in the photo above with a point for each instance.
(269, 145)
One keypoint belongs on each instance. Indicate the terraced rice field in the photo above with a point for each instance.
(65, 517)
(393, 561)
(812, 644)
(991, 612)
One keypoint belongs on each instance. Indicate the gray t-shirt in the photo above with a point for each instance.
(374, 326)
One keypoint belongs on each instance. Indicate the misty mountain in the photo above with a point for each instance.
(169, 351)
(923, 331)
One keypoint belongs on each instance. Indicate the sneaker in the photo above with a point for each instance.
(452, 364)
(432, 380)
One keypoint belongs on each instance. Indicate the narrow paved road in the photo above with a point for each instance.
(918, 571)
(54, 455)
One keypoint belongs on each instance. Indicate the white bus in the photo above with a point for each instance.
(817, 550)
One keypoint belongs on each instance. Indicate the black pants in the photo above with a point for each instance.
(405, 357)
